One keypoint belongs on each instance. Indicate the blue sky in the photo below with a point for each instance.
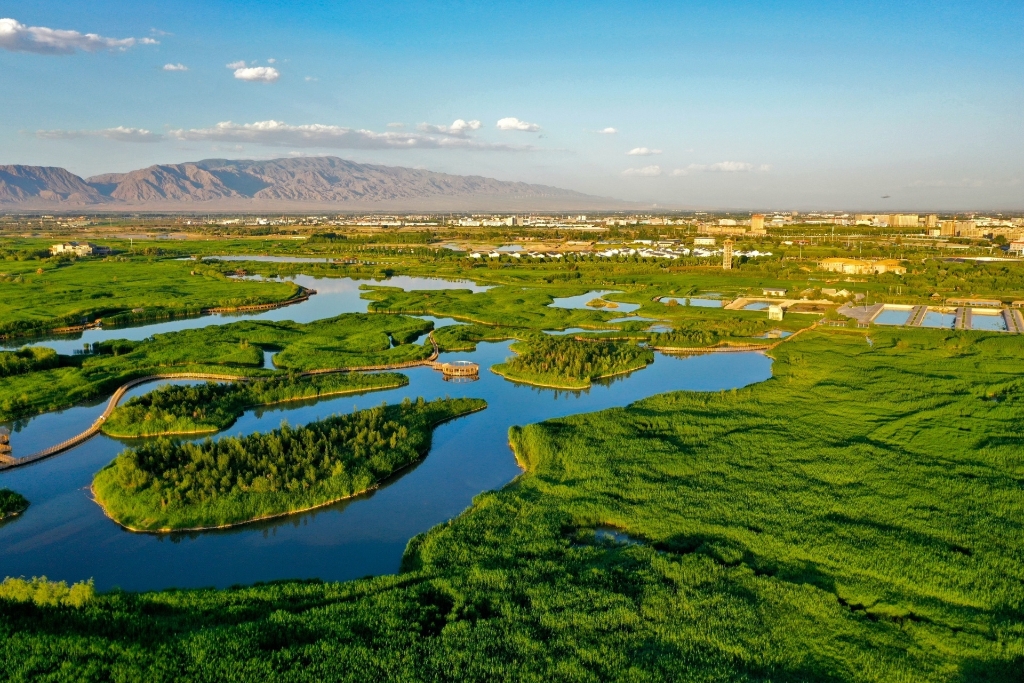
(742, 104)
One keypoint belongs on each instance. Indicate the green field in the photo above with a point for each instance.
(116, 289)
(166, 485)
(346, 341)
(211, 407)
(567, 363)
(858, 517)
(11, 503)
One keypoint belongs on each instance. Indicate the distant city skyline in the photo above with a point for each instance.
(742, 105)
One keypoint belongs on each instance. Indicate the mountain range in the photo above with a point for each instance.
(280, 184)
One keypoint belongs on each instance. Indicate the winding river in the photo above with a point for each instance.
(65, 536)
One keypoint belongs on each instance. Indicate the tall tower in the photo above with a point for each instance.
(757, 224)
(727, 254)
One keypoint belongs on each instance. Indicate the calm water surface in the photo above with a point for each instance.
(334, 297)
(65, 536)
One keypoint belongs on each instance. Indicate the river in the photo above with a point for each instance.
(64, 534)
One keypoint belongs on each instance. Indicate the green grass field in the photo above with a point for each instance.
(211, 407)
(166, 485)
(66, 293)
(858, 517)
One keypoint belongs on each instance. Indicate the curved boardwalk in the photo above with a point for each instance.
(115, 399)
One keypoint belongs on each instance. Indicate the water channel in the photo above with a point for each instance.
(65, 536)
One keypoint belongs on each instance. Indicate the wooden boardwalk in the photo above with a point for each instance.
(116, 397)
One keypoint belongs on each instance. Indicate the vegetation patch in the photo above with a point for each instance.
(567, 363)
(213, 406)
(11, 503)
(41, 592)
(166, 485)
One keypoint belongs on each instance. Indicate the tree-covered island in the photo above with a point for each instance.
(168, 485)
(568, 363)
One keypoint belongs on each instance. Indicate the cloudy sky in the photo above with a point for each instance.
(691, 104)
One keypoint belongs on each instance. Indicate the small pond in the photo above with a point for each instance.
(892, 316)
(580, 302)
(939, 319)
(694, 301)
(987, 322)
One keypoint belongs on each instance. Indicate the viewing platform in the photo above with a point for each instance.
(457, 369)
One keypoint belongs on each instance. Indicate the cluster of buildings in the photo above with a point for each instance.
(850, 266)
(78, 249)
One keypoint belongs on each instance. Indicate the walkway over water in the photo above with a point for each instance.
(7, 461)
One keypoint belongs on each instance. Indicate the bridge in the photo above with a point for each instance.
(449, 369)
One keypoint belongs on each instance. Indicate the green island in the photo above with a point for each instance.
(11, 503)
(567, 363)
(213, 406)
(169, 485)
(350, 340)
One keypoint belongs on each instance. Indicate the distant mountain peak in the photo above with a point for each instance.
(280, 184)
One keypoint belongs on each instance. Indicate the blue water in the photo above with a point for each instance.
(634, 319)
(334, 296)
(756, 306)
(703, 303)
(580, 301)
(938, 319)
(892, 317)
(65, 536)
(989, 323)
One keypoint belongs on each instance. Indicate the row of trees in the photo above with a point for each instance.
(212, 405)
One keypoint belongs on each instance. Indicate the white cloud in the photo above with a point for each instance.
(459, 128)
(271, 61)
(261, 74)
(646, 171)
(17, 37)
(608, 131)
(512, 123)
(396, 124)
(312, 79)
(120, 133)
(240, 64)
(175, 67)
(280, 134)
(642, 152)
(720, 167)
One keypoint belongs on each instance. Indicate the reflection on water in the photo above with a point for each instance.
(65, 536)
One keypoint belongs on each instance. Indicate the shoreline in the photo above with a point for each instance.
(376, 485)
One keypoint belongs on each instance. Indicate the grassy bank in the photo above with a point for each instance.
(168, 485)
(211, 407)
(567, 363)
(37, 296)
(346, 341)
(11, 503)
